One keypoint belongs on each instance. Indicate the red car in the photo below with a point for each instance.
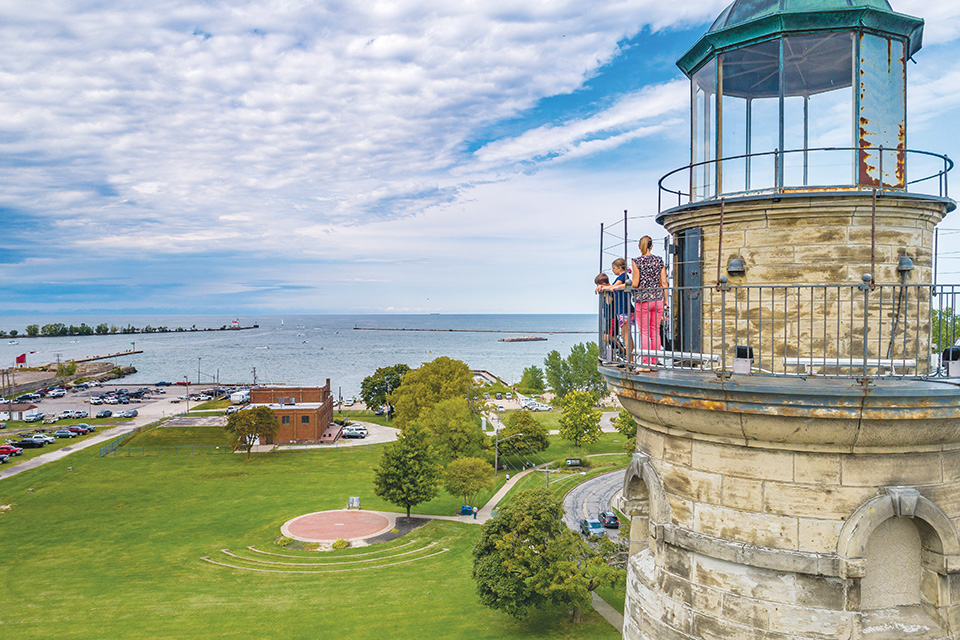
(10, 450)
(78, 429)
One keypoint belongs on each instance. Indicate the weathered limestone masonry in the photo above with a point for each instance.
(752, 524)
(816, 240)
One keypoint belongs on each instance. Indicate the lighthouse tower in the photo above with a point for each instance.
(797, 470)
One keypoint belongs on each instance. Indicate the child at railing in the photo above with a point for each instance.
(622, 305)
(608, 321)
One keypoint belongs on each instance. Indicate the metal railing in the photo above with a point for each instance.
(791, 170)
(861, 330)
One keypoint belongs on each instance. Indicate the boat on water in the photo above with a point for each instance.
(13, 342)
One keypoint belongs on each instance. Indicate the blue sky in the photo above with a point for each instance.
(258, 157)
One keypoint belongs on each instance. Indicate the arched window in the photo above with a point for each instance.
(893, 569)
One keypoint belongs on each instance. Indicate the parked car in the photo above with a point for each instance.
(65, 414)
(35, 417)
(96, 400)
(10, 450)
(130, 413)
(57, 393)
(609, 520)
(80, 414)
(44, 437)
(51, 420)
(3, 458)
(162, 384)
(65, 433)
(79, 430)
(106, 413)
(592, 528)
(353, 431)
(232, 409)
(29, 443)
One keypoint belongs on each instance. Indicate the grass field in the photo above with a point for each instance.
(113, 550)
(61, 443)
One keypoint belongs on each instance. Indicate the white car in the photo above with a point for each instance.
(44, 437)
(96, 400)
(65, 414)
(57, 393)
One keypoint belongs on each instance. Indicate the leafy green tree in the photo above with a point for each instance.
(465, 477)
(627, 426)
(33, 329)
(527, 558)
(408, 472)
(375, 388)
(532, 379)
(534, 438)
(580, 420)
(102, 329)
(14, 332)
(576, 372)
(246, 426)
(453, 429)
(946, 328)
(431, 382)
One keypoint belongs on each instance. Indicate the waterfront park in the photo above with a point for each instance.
(114, 547)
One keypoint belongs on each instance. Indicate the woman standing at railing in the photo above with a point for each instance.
(650, 285)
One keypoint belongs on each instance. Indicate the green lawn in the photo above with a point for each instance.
(179, 436)
(565, 480)
(113, 550)
(560, 450)
(212, 404)
(49, 429)
(364, 416)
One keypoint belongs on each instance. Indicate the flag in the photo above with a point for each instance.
(22, 358)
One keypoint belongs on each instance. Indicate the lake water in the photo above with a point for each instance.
(306, 349)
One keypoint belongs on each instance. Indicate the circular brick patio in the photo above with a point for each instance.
(329, 526)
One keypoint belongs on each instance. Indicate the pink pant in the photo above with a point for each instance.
(649, 315)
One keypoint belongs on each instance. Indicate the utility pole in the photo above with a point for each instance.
(254, 376)
(198, 369)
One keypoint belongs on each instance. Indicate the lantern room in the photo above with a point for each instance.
(800, 95)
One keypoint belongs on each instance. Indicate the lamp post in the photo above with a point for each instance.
(186, 379)
(496, 450)
(198, 369)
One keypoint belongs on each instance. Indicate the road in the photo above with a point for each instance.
(590, 498)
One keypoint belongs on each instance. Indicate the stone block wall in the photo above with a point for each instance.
(793, 247)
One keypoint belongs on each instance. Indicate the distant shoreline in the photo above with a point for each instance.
(126, 331)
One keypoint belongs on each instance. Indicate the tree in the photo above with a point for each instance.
(580, 420)
(247, 426)
(576, 372)
(453, 429)
(102, 329)
(532, 379)
(430, 383)
(408, 472)
(465, 477)
(534, 438)
(526, 558)
(33, 329)
(375, 388)
(946, 328)
(627, 426)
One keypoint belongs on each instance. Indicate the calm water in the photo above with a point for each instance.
(305, 349)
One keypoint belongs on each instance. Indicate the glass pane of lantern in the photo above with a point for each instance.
(817, 109)
(751, 102)
(703, 122)
(882, 118)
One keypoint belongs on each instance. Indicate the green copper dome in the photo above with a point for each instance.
(748, 21)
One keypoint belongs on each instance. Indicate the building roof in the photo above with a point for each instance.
(16, 406)
(299, 405)
(747, 21)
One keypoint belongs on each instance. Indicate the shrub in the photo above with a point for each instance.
(284, 541)
(341, 544)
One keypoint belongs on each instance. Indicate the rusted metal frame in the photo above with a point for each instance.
(806, 138)
(778, 176)
(749, 145)
(718, 133)
(873, 241)
(720, 240)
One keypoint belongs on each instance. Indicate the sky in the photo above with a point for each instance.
(252, 157)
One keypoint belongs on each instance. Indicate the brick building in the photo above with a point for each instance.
(304, 414)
